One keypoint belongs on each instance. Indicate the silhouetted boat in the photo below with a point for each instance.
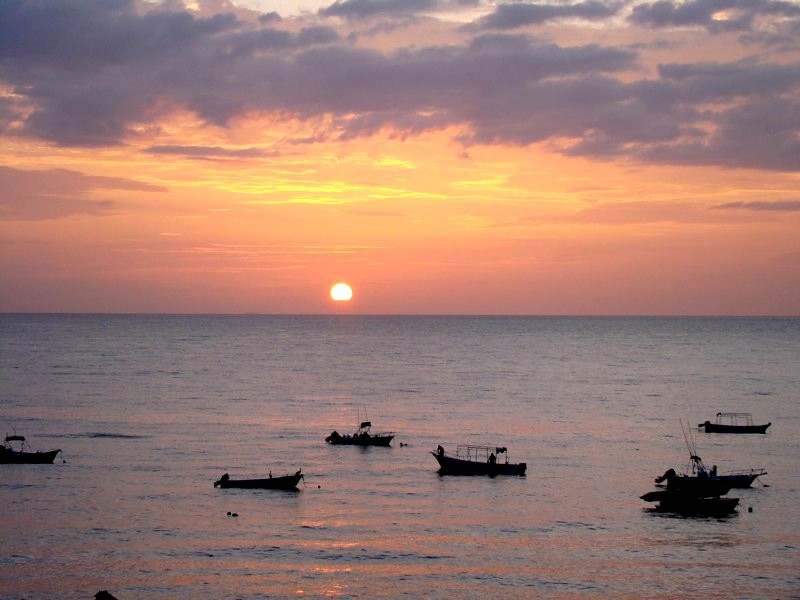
(701, 478)
(690, 503)
(9, 454)
(362, 437)
(733, 422)
(287, 482)
(476, 460)
(708, 479)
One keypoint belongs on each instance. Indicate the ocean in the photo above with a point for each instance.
(150, 410)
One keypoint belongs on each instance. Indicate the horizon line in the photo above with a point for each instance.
(341, 314)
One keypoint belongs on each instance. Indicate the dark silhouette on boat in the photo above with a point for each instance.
(476, 460)
(733, 422)
(362, 437)
(11, 453)
(287, 482)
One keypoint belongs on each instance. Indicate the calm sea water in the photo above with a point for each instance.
(150, 410)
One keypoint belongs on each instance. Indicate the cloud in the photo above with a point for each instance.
(777, 206)
(94, 69)
(716, 16)
(58, 193)
(368, 9)
(643, 212)
(81, 35)
(206, 152)
(760, 133)
(132, 65)
(513, 16)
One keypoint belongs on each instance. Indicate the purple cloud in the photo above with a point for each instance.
(206, 152)
(512, 16)
(368, 9)
(739, 15)
(132, 65)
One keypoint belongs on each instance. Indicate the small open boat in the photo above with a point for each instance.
(15, 451)
(362, 437)
(476, 460)
(287, 482)
(733, 422)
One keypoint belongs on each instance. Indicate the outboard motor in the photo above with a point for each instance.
(668, 474)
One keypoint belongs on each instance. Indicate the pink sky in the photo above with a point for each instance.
(440, 156)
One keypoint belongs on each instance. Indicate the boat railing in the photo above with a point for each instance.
(734, 418)
(366, 428)
(745, 472)
(13, 439)
(479, 453)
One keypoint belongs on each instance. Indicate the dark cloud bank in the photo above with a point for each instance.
(92, 72)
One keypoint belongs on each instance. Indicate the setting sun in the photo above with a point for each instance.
(341, 292)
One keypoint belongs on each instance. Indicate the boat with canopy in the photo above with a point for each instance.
(477, 460)
(16, 451)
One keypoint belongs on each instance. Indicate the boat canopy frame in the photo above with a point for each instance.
(476, 453)
(735, 418)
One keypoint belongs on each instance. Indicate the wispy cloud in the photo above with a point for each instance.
(514, 16)
(207, 152)
(368, 9)
(58, 193)
(776, 206)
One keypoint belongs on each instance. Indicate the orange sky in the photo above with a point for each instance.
(542, 158)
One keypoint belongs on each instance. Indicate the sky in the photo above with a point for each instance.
(618, 157)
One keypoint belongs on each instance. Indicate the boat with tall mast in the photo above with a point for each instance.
(701, 477)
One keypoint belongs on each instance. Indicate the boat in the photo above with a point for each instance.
(709, 479)
(362, 437)
(733, 422)
(15, 451)
(691, 504)
(701, 478)
(476, 460)
(287, 482)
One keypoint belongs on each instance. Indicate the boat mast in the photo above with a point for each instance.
(691, 445)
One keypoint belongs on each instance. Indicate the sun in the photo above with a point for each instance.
(341, 292)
